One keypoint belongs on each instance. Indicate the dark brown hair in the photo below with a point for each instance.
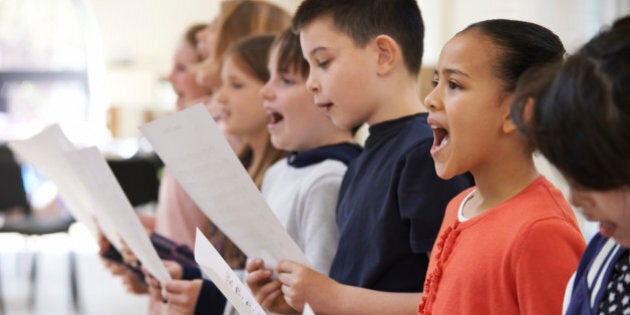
(580, 121)
(365, 20)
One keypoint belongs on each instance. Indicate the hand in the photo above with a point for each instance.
(174, 269)
(154, 286)
(116, 269)
(103, 243)
(128, 256)
(301, 284)
(182, 295)
(265, 289)
(133, 283)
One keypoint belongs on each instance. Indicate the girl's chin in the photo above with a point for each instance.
(445, 173)
(607, 229)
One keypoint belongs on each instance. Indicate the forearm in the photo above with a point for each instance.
(349, 300)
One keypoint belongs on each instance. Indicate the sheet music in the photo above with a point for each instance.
(196, 152)
(213, 265)
(307, 310)
(113, 207)
(44, 152)
(93, 195)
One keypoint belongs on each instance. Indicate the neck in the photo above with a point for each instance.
(500, 180)
(402, 99)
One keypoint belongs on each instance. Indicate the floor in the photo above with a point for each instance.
(98, 291)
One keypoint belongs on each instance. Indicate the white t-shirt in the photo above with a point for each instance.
(305, 200)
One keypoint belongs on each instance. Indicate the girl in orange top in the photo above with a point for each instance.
(509, 244)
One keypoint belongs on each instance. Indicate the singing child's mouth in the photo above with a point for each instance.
(440, 139)
(274, 117)
(326, 106)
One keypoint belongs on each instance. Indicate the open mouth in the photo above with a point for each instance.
(440, 139)
(325, 106)
(274, 117)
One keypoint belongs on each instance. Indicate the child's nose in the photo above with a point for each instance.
(265, 92)
(312, 84)
(431, 101)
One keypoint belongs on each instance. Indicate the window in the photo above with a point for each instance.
(48, 69)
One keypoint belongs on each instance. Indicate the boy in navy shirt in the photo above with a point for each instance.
(364, 62)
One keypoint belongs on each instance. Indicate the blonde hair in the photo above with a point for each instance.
(238, 19)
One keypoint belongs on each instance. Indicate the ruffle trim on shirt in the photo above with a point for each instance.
(444, 248)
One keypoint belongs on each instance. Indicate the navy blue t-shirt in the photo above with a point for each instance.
(391, 206)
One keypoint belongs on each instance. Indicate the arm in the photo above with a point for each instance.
(544, 260)
(326, 296)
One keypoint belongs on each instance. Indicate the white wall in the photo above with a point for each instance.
(138, 39)
(575, 21)
(139, 36)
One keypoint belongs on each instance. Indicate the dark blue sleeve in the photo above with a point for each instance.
(423, 196)
(210, 301)
(190, 272)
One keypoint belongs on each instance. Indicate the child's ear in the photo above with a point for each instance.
(508, 125)
(388, 53)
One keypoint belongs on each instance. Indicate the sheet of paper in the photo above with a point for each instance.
(213, 265)
(112, 206)
(194, 149)
(307, 310)
(44, 152)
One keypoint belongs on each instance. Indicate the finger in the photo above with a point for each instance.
(268, 289)
(270, 300)
(118, 270)
(152, 282)
(174, 286)
(287, 266)
(258, 277)
(286, 290)
(177, 299)
(287, 279)
(255, 264)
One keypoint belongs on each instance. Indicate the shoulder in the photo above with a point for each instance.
(416, 136)
(541, 200)
(548, 238)
(327, 172)
(277, 168)
(594, 256)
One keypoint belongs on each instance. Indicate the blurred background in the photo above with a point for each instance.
(98, 68)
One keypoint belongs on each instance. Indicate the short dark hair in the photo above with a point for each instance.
(363, 21)
(290, 57)
(522, 45)
(580, 122)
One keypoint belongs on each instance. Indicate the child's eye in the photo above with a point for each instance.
(453, 85)
(323, 64)
(287, 81)
(236, 85)
(434, 82)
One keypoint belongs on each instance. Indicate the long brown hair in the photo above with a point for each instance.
(251, 55)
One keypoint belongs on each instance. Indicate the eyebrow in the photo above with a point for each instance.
(452, 71)
(316, 50)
